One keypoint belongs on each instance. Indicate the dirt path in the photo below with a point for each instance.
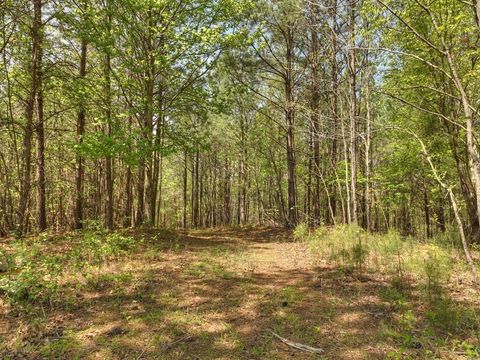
(211, 295)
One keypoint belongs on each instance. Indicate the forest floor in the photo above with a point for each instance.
(217, 294)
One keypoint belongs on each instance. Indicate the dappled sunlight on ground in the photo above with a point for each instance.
(213, 294)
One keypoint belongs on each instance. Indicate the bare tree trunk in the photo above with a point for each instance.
(25, 185)
(127, 209)
(185, 179)
(79, 173)
(476, 10)
(315, 114)
(290, 123)
(151, 162)
(196, 198)
(140, 213)
(109, 216)
(333, 160)
(40, 132)
(347, 185)
(368, 195)
(353, 115)
(426, 209)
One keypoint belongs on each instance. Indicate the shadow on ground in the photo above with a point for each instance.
(188, 296)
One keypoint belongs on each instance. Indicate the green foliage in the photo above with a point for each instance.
(60, 348)
(34, 276)
(390, 253)
(98, 247)
(106, 280)
(345, 245)
(208, 268)
(301, 232)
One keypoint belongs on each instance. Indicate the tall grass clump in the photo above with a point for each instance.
(432, 261)
(343, 245)
(301, 232)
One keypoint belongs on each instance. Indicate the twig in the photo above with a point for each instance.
(173, 343)
(296, 345)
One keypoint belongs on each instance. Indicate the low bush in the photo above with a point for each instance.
(31, 277)
(34, 276)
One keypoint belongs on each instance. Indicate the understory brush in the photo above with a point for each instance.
(434, 262)
(35, 274)
(425, 313)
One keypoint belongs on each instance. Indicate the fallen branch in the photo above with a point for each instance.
(296, 345)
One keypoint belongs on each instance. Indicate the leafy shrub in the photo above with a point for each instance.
(35, 277)
(97, 247)
(359, 254)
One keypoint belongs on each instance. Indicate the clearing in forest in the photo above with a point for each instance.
(219, 294)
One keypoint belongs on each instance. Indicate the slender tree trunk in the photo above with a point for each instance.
(426, 209)
(347, 174)
(109, 216)
(290, 123)
(243, 172)
(315, 113)
(140, 213)
(40, 155)
(476, 10)
(185, 199)
(196, 199)
(25, 184)
(151, 163)
(368, 195)
(333, 200)
(127, 209)
(79, 173)
(353, 115)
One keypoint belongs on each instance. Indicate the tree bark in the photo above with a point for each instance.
(315, 114)
(79, 173)
(109, 215)
(185, 199)
(40, 132)
(353, 115)
(290, 123)
(25, 185)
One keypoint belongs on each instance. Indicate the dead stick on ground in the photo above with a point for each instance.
(172, 344)
(296, 345)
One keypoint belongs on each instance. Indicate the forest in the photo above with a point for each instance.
(239, 179)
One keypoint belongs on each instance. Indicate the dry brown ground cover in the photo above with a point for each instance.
(214, 294)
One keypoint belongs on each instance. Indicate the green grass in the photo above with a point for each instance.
(423, 314)
(207, 268)
(432, 262)
(62, 348)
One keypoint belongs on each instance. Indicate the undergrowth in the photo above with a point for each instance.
(424, 315)
(34, 277)
(434, 261)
